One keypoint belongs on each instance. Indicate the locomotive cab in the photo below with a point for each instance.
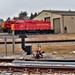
(6, 26)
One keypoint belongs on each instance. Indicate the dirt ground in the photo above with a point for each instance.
(58, 49)
(65, 50)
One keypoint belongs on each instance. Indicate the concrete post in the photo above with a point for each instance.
(5, 39)
(13, 42)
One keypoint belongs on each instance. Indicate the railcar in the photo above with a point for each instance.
(32, 26)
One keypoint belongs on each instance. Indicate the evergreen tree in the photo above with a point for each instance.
(8, 19)
(15, 18)
(22, 15)
(33, 15)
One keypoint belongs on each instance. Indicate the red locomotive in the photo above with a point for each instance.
(28, 26)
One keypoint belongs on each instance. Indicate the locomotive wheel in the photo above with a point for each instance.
(15, 33)
(4, 30)
(9, 31)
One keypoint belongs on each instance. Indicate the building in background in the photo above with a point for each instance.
(1, 20)
(61, 21)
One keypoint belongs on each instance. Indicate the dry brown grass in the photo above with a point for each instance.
(64, 50)
(9, 48)
(56, 37)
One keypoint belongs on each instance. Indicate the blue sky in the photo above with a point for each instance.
(11, 8)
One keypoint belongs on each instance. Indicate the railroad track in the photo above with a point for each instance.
(31, 70)
(38, 67)
(2, 35)
(46, 41)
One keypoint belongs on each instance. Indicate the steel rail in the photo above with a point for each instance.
(37, 66)
(10, 60)
(46, 41)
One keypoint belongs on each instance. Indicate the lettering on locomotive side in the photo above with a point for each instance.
(22, 26)
(42, 24)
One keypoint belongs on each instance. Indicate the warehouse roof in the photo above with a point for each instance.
(60, 12)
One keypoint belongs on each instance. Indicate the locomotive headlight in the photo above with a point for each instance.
(12, 26)
(3, 25)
